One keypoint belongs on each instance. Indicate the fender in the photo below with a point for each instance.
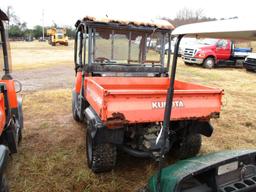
(99, 132)
(210, 53)
(94, 120)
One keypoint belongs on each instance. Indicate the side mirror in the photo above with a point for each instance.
(18, 86)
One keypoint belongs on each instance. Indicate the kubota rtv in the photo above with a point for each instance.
(120, 93)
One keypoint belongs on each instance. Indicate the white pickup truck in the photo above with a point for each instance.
(250, 62)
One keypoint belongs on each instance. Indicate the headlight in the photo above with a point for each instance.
(200, 53)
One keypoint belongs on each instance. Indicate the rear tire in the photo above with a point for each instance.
(10, 137)
(100, 157)
(187, 146)
(209, 63)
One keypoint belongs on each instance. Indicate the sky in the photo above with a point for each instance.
(66, 13)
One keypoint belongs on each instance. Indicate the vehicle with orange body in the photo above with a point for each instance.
(120, 93)
(11, 118)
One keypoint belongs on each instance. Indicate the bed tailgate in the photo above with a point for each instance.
(147, 105)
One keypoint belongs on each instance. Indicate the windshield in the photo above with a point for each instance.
(126, 47)
(60, 35)
(208, 41)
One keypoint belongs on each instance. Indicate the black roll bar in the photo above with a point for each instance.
(168, 111)
(6, 68)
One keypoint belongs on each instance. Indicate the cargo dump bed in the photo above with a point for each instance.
(142, 99)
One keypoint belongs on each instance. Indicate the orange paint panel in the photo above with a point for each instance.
(78, 82)
(11, 93)
(2, 113)
(142, 99)
(95, 96)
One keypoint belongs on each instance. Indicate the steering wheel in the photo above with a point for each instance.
(102, 60)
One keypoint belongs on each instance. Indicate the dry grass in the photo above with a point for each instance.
(52, 154)
(32, 55)
(236, 128)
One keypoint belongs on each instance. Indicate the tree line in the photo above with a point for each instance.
(19, 30)
(188, 16)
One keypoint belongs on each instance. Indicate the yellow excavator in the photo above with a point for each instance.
(57, 36)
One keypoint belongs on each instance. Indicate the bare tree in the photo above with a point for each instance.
(13, 18)
(199, 14)
(187, 15)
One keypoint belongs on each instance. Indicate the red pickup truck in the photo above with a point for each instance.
(215, 52)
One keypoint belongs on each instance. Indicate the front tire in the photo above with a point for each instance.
(187, 146)
(100, 157)
(187, 63)
(4, 185)
(209, 63)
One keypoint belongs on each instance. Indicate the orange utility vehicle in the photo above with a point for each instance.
(120, 92)
(11, 118)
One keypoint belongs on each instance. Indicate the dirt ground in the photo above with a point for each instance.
(52, 154)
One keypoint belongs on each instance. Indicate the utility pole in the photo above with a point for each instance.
(43, 22)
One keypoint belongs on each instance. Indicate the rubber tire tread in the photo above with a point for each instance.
(187, 147)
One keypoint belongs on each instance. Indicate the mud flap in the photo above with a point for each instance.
(99, 132)
(10, 138)
(20, 111)
(202, 127)
(106, 135)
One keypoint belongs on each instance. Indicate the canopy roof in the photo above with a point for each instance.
(155, 23)
(226, 29)
(3, 16)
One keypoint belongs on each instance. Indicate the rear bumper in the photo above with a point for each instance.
(61, 42)
(192, 60)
